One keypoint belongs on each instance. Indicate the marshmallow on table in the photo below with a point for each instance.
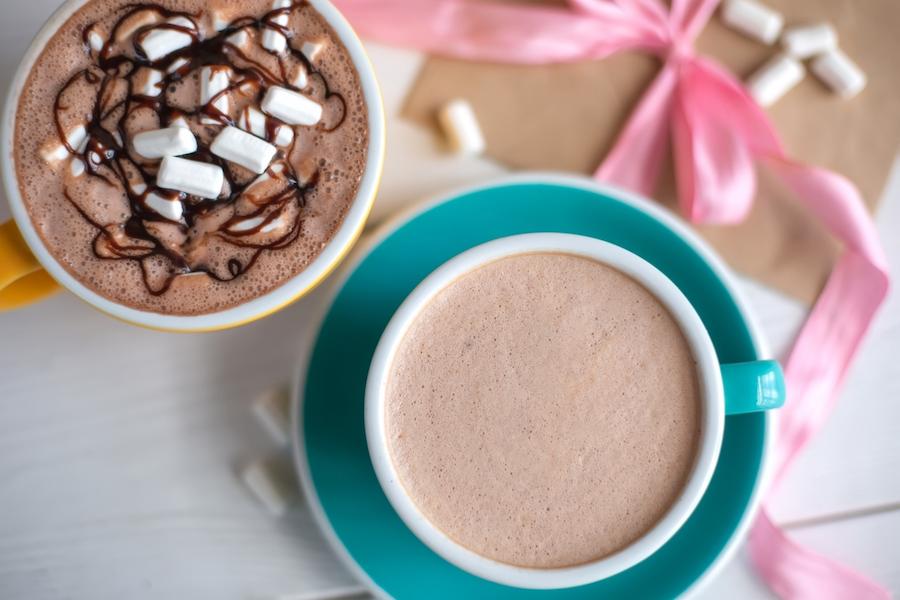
(774, 79)
(213, 81)
(809, 40)
(162, 41)
(146, 82)
(243, 149)
(458, 121)
(291, 107)
(191, 177)
(56, 152)
(271, 407)
(171, 141)
(272, 39)
(170, 208)
(270, 485)
(255, 122)
(753, 19)
(839, 73)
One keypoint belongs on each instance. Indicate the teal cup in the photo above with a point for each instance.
(725, 389)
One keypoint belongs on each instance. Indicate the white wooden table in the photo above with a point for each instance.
(118, 446)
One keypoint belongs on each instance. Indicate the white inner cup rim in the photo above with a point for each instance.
(708, 373)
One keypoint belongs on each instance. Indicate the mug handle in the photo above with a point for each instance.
(752, 386)
(22, 280)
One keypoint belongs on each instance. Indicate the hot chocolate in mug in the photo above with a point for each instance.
(30, 272)
(724, 389)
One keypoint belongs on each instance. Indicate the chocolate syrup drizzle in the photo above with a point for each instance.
(108, 146)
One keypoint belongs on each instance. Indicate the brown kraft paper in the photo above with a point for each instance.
(566, 117)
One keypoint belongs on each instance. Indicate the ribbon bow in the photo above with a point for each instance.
(718, 136)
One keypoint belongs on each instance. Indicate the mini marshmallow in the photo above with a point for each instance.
(774, 79)
(272, 39)
(259, 182)
(220, 20)
(271, 487)
(753, 19)
(291, 107)
(253, 121)
(171, 141)
(248, 225)
(239, 39)
(161, 41)
(191, 177)
(171, 209)
(244, 149)
(214, 80)
(146, 82)
(137, 21)
(271, 408)
(312, 49)
(457, 118)
(55, 152)
(284, 136)
(803, 42)
(300, 77)
(838, 72)
(178, 65)
(138, 188)
(95, 41)
(179, 122)
(76, 167)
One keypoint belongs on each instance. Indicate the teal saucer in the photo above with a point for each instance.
(330, 440)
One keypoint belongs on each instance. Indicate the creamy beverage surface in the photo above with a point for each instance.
(95, 199)
(543, 410)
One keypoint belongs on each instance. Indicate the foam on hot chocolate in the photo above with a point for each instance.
(95, 205)
(543, 410)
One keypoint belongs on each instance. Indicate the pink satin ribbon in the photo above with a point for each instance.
(718, 136)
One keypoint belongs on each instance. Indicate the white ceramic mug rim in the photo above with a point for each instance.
(711, 433)
(261, 306)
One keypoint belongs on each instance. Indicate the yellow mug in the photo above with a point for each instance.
(28, 272)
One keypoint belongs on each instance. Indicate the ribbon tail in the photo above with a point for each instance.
(636, 159)
(815, 369)
(794, 572)
(857, 286)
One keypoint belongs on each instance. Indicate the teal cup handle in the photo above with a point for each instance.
(752, 386)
